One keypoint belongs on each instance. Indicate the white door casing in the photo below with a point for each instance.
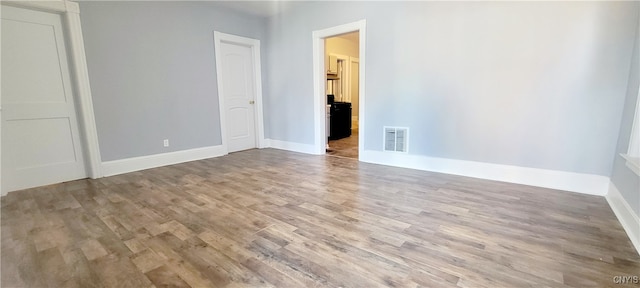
(319, 88)
(74, 88)
(239, 91)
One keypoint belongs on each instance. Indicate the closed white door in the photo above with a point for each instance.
(238, 90)
(40, 137)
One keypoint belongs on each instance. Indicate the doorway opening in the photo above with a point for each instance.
(339, 81)
(342, 65)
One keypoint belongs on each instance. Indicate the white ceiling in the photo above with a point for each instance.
(263, 8)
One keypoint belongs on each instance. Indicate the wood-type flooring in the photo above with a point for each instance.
(271, 218)
(345, 147)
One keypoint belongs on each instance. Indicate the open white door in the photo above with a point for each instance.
(40, 136)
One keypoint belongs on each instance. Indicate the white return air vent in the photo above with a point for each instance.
(396, 139)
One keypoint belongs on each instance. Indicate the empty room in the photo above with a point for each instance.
(320, 144)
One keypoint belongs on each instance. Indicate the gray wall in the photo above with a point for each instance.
(539, 84)
(533, 84)
(624, 179)
(152, 73)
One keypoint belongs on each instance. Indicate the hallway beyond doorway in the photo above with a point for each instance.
(345, 147)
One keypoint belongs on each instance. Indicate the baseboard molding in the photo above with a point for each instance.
(568, 181)
(116, 167)
(629, 220)
(291, 146)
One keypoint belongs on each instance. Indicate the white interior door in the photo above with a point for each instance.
(40, 136)
(238, 90)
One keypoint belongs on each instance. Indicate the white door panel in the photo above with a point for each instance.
(238, 92)
(235, 73)
(40, 136)
(52, 146)
(238, 120)
(33, 55)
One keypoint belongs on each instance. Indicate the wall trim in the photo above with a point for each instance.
(122, 166)
(561, 180)
(292, 146)
(629, 220)
(83, 89)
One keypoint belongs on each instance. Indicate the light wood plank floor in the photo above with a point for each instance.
(345, 147)
(264, 218)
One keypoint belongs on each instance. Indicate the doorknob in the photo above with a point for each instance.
(252, 102)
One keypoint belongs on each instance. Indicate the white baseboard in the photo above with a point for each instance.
(116, 167)
(291, 146)
(568, 181)
(629, 220)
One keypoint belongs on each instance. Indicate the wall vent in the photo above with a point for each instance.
(396, 139)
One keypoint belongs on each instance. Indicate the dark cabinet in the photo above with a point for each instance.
(340, 120)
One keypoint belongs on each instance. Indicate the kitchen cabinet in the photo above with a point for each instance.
(340, 120)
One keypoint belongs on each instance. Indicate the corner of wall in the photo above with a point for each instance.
(629, 220)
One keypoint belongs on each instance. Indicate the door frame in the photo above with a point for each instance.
(254, 44)
(319, 83)
(347, 69)
(70, 13)
(351, 61)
